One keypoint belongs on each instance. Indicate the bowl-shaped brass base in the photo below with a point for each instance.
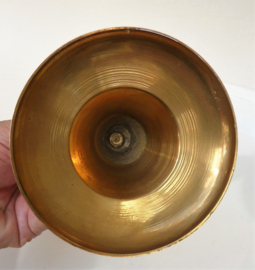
(131, 170)
(123, 141)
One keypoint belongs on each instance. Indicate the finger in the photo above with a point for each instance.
(28, 224)
(9, 235)
(5, 133)
(37, 227)
(6, 195)
(6, 173)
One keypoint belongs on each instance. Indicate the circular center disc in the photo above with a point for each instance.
(116, 139)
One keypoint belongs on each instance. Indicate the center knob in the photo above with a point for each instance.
(116, 139)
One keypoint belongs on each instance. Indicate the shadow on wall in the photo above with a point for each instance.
(245, 175)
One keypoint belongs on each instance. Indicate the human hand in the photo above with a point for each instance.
(18, 224)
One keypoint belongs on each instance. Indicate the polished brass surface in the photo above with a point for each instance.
(135, 169)
(178, 138)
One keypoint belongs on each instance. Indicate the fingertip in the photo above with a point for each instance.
(36, 226)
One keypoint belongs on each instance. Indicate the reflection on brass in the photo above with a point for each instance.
(123, 141)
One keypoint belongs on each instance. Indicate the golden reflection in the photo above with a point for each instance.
(177, 156)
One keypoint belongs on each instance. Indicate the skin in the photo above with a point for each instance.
(18, 224)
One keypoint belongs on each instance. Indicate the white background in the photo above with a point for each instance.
(222, 32)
